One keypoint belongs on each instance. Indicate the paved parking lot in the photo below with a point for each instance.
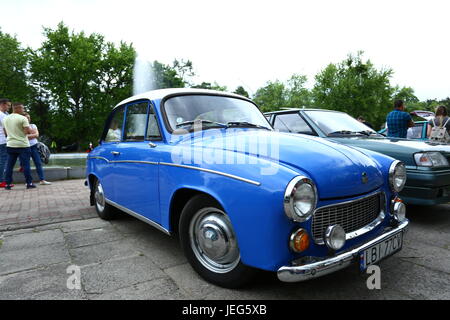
(43, 232)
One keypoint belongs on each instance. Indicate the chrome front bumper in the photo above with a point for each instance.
(315, 269)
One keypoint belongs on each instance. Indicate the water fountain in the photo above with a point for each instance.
(143, 75)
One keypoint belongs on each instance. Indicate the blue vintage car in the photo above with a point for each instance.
(208, 167)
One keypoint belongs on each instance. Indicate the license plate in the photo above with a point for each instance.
(380, 251)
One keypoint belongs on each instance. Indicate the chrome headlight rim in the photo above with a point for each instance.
(335, 237)
(418, 155)
(289, 194)
(392, 171)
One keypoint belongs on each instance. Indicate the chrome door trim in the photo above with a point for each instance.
(138, 216)
(256, 183)
(123, 161)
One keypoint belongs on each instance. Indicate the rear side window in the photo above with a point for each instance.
(114, 133)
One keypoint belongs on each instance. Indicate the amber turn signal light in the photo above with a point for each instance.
(299, 240)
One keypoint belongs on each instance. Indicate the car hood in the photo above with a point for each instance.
(336, 169)
(401, 149)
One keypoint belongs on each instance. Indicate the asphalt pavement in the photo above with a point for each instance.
(53, 246)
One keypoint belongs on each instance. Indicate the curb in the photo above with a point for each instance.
(53, 174)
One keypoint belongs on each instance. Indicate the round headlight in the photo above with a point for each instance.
(335, 237)
(397, 176)
(300, 199)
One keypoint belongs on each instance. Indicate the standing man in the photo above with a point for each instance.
(398, 121)
(17, 128)
(5, 106)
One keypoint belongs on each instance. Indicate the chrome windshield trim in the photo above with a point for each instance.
(365, 229)
(256, 183)
(138, 216)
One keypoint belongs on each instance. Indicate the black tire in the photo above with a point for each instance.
(104, 210)
(225, 269)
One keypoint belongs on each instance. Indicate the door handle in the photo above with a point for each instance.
(152, 145)
(116, 153)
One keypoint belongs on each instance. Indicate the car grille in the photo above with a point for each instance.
(352, 215)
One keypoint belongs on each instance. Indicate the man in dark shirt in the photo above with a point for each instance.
(398, 121)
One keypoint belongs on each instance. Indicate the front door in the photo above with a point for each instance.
(136, 163)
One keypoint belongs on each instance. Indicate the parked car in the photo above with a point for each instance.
(206, 166)
(419, 131)
(427, 163)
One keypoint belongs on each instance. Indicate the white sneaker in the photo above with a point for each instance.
(45, 182)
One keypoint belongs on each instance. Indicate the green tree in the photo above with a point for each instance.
(166, 76)
(80, 77)
(271, 97)
(241, 91)
(406, 94)
(210, 86)
(356, 87)
(297, 94)
(277, 95)
(184, 70)
(13, 69)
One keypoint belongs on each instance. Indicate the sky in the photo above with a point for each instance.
(248, 43)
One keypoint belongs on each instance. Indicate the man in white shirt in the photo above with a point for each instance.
(17, 128)
(5, 106)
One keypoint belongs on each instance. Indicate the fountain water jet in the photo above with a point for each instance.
(143, 76)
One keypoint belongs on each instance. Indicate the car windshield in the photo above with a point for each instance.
(338, 123)
(212, 112)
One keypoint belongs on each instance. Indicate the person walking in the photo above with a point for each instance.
(5, 106)
(33, 139)
(398, 121)
(17, 127)
(435, 130)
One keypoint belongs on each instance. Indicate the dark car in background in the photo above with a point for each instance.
(427, 163)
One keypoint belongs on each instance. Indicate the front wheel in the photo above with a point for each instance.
(104, 210)
(209, 243)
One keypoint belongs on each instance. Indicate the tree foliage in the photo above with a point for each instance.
(81, 77)
(13, 69)
(241, 91)
(73, 81)
(356, 87)
(278, 95)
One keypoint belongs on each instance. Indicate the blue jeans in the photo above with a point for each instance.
(3, 158)
(37, 161)
(24, 155)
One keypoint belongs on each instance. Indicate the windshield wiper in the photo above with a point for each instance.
(244, 124)
(340, 132)
(201, 121)
(366, 133)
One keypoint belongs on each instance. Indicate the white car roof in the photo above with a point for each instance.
(162, 93)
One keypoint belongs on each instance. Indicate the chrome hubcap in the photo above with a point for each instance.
(99, 197)
(213, 240)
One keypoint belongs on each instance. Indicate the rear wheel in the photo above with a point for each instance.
(209, 243)
(104, 210)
